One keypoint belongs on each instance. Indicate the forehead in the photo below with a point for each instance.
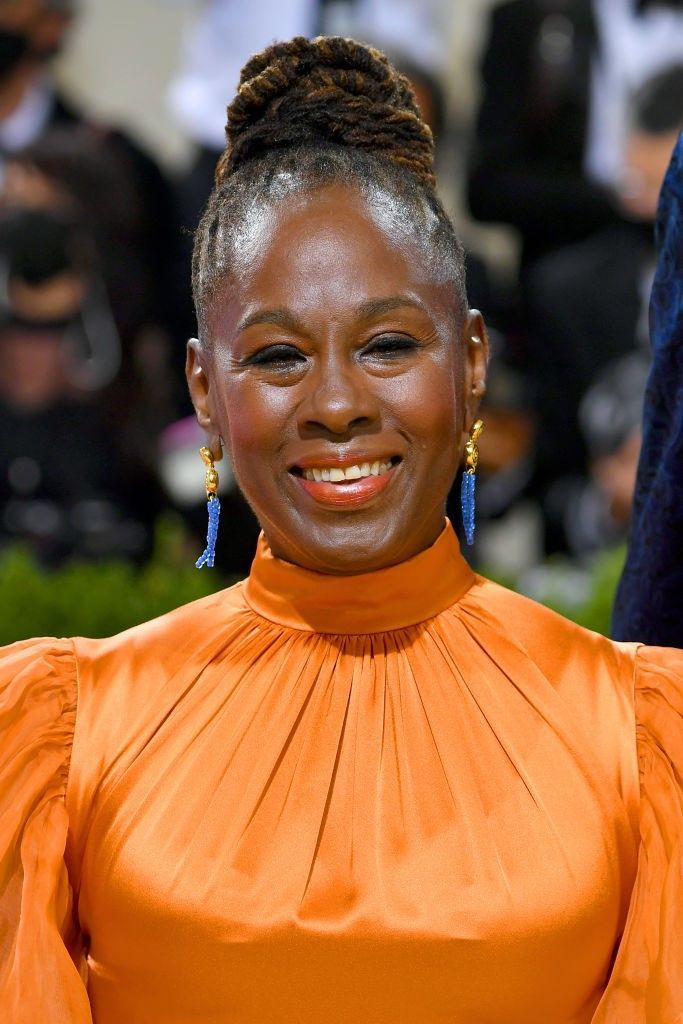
(329, 250)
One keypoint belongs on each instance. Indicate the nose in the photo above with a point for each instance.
(341, 400)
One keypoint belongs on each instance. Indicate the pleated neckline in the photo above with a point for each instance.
(394, 598)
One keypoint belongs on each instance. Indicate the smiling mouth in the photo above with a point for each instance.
(339, 475)
(344, 486)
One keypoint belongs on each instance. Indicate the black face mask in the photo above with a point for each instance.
(642, 5)
(13, 47)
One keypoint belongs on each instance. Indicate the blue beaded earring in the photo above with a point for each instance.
(213, 504)
(468, 480)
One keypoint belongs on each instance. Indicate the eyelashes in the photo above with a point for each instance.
(276, 356)
(391, 345)
(282, 356)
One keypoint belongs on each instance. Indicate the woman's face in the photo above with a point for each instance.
(342, 380)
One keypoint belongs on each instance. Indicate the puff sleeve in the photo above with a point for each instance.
(646, 984)
(39, 980)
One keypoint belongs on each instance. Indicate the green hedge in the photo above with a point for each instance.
(100, 599)
(584, 594)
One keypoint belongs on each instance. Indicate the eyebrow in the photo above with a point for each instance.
(366, 311)
(376, 307)
(279, 317)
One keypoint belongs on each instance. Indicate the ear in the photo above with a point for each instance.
(475, 344)
(198, 375)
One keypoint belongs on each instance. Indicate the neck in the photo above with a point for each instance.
(387, 599)
(14, 88)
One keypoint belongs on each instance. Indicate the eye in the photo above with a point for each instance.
(390, 346)
(279, 357)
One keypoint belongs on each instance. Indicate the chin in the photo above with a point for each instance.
(348, 559)
(347, 544)
(384, 531)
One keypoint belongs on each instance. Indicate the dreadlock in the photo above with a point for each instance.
(309, 113)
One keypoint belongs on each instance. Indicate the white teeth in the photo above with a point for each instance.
(337, 475)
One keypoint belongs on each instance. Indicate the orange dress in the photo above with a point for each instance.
(410, 796)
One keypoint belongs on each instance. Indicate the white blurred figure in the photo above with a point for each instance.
(225, 33)
(637, 40)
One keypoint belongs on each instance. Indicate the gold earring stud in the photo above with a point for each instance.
(211, 479)
(472, 448)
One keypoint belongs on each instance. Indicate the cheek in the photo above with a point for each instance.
(430, 409)
(253, 422)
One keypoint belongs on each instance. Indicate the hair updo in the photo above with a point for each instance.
(311, 113)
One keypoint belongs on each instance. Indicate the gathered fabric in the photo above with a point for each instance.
(408, 796)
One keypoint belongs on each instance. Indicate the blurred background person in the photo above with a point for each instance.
(62, 485)
(593, 508)
(32, 32)
(580, 106)
(557, 81)
(90, 203)
(588, 302)
(71, 170)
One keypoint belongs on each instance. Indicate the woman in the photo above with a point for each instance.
(364, 785)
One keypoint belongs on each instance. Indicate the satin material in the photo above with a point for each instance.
(410, 796)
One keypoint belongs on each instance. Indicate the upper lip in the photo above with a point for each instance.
(342, 460)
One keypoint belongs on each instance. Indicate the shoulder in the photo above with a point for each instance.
(42, 669)
(563, 650)
(652, 941)
(38, 698)
(659, 688)
(129, 685)
(101, 675)
(148, 668)
(158, 644)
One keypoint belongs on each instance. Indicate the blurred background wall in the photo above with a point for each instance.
(118, 62)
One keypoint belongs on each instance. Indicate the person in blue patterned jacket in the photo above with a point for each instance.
(649, 601)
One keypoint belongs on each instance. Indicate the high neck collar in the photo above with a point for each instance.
(372, 602)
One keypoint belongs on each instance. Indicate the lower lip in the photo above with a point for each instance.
(344, 495)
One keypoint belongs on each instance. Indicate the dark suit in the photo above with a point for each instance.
(649, 602)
